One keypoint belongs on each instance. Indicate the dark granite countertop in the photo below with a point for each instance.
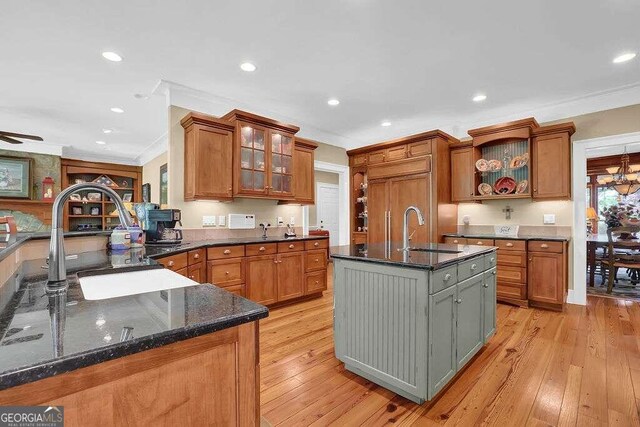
(11, 242)
(376, 253)
(45, 333)
(519, 237)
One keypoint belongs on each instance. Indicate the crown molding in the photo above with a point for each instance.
(72, 153)
(36, 147)
(153, 150)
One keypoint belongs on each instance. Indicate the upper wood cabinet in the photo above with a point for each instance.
(207, 141)
(263, 156)
(304, 190)
(462, 175)
(551, 162)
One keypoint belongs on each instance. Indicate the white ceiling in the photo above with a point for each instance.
(416, 63)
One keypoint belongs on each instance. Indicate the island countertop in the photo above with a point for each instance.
(47, 333)
(428, 258)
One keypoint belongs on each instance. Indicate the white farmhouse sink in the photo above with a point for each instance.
(115, 285)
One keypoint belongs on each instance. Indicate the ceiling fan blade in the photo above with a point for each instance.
(21, 135)
(9, 140)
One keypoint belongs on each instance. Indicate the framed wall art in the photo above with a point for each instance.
(15, 177)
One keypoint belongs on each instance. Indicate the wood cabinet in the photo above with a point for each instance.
(188, 264)
(551, 162)
(262, 279)
(393, 175)
(263, 156)
(291, 279)
(548, 278)
(304, 175)
(463, 182)
(207, 141)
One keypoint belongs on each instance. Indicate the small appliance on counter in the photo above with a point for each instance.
(160, 227)
(289, 232)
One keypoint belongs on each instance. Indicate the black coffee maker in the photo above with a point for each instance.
(161, 227)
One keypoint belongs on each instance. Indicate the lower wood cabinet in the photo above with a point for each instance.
(290, 275)
(188, 264)
(262, 279)
(195, 272)
(315, 282)
(546, 277)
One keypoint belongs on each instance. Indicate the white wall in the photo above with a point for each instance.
(525, 212)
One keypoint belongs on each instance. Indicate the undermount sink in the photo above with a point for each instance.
(438, 251)
(105, 286)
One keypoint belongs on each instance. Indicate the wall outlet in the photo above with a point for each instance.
(466, 219)
(292, 221)
(279, 221)
(222, 220)
(208, 220)
(549, 218)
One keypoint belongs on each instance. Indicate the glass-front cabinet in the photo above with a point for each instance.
(265, 153)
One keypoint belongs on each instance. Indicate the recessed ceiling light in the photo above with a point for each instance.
(385, 123)
(117, 110)
(333, 102)
(479, 98)
(624, 57)
(248, 67)
(140, 96)
(100, 142)
(112, 56)
(107, 130)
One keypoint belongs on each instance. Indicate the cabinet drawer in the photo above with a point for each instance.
(396, 153)
(512, 258)
(359, 238)
(222, 252)
(315, 282)
(511, 245)
(470, 268)
(512, 290)
(225, 273)
(236, 289)
(196, 256)
(174, 262)
(376, 157)
(421, 148)
(480, 242)
(316, 244)
(358, 160)
(261, 249)
(455, 240)
(316, 260)
(291, 246)
(490, 260)
(545, 246)
(443, 278)
(405, 167)
(512, 274)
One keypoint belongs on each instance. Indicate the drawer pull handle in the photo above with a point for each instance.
(262, 249)
(196, 256)
(492, 259)
(544, 246)
(316, 260)
(227, 251)
(291, 246)
(459, 300)
(473, 266)
(479, 243)
(316, 244)
(509, 245)
(171, 263)
(317, 282)
(455, 241)
(447, 277)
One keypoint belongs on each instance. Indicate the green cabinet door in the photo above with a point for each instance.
(489, 304)
(469, 338)
(442, 333)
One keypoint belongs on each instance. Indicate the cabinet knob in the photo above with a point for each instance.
(171, 263)
(544, 246)
(509, 245)
(191, 277)
(317, 282)
(316, 244)
(275, 261)
(459, 300)
(196, 256)
(474, 266)
(227, 251)
(535, 190)
(493, 272)
(530, 259)
(262, 249)
(492, 259)
(447, 277)
(455, 241)
(291, 246)
(226, 272)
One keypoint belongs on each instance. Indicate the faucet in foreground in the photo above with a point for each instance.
(405, 226)
(57, 267)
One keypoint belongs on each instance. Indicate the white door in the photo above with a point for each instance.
(327, 208)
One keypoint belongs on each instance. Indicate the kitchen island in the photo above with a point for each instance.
(186, 356)
(411, 320)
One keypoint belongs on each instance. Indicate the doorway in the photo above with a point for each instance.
(327, 206)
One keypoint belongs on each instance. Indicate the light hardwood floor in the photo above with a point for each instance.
(577, 368)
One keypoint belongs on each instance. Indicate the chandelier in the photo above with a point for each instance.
(623, 178)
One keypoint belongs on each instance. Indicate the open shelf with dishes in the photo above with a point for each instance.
(503, 170)
(359, 219)
(89, 210)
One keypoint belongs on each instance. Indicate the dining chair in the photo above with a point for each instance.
(621, 252)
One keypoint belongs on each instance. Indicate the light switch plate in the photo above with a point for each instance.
(222, 220)
(292, 221)
(208, 220)
(279, 221)
(549, 218)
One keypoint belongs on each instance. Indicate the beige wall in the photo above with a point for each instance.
(151, 175)
(326, 178)
(524, 212)
(605, 123)
(331, 154)
(192, 212)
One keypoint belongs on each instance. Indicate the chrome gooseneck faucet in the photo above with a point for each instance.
(57, 267)
(405, 225)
